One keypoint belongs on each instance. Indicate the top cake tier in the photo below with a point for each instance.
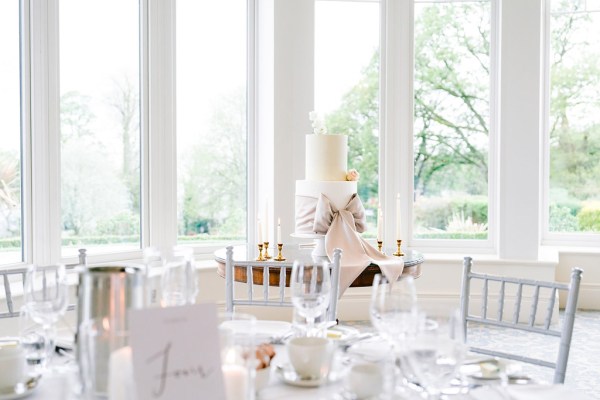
(326, 157)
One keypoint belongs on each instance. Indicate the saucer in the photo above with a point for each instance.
(20, 390)
(287, 374)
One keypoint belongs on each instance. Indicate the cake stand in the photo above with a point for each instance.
(319, 239)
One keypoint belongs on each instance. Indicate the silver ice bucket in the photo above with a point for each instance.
(105, 294)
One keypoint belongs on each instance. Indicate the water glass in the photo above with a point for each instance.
(238, 355)
(178, 283)
(37, 341)
(435, 352)
(46, 293)
(393, 307)
(311, 288)
(104, 355)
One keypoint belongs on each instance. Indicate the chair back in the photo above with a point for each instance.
(13, 280)
(275, 268)
(516, 321)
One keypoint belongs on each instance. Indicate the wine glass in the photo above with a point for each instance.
(46, 297)
(393, 311)
(311, 287)
(178, 282)
(436, 350)
(393, 307)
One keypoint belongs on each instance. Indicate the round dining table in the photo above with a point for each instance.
(412, 264)
(63, 387)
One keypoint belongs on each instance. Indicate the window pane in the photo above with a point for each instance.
(100, 128)
(347, 87)
(451, 120)
(211, 120)
(574, 127)
(10, 135)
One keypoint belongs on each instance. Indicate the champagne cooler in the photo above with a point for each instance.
(105, 295)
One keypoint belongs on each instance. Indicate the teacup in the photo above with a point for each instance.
(365, 380)
(310, 356)
(12, 363)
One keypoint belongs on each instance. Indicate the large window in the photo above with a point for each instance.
(451, 119)
(574, 123)
(347, 87)
(10, 135)
(100, 125)
(211, 120)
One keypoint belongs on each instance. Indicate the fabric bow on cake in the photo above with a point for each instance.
(341, 229)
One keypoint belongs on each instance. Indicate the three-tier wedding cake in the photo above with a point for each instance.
(326, 174)
(328, 208)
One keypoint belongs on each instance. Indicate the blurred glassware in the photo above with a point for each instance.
(178, 282)
(100, 339)
(436, 350)
(238, 354)
(154, 263)
(311, 287)
(393, 308)
(46, 299)
(37, 342)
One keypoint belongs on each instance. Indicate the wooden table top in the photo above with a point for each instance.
(412, 265)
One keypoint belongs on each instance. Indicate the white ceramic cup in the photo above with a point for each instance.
(310, 356)
(365, 380)
(12, 363)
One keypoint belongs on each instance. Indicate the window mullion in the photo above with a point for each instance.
(45, 134)
(162, 170)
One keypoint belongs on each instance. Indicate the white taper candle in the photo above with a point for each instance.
(398, 233)
(279, 241)
(379, 225)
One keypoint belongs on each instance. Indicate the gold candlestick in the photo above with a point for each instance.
(380, 245)
(399, 253)
(266, 255)
(260, 254)
(279, 256)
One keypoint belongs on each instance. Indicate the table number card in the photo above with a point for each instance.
(176, 353)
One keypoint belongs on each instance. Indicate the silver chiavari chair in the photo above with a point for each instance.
(520, 319)
(13, 278)
(267, 268)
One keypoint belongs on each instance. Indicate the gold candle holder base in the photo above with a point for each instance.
(399, 253)
(260, 253)
(266, 255)
(380, 245)
(279, 255)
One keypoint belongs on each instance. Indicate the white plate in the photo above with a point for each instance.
(372, 349)
(287, 374)
(342, 332)
(263, 329)
(21, 390)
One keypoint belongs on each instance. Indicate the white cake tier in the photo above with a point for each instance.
(326, 157)
(338, 192)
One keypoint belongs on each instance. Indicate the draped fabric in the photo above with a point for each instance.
(341, 229)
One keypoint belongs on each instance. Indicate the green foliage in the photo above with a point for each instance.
(10, 243)
(435, 213)
(589, 217)
(358, 117)
(563, 219)
(214, 174)
(123, 224)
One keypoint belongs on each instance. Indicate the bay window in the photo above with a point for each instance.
(211, 121)
(347, 87)
(100, 126)
(452, 119)
(572, 126)
(10, 136)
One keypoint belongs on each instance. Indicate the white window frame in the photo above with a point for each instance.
(549, 238)
(397, 113)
